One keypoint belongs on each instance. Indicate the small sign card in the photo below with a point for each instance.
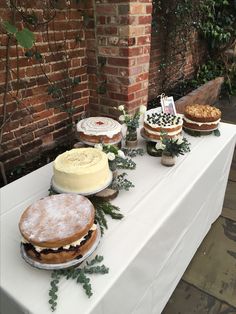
(168, 105)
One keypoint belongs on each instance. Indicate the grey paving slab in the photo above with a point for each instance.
(213, 268)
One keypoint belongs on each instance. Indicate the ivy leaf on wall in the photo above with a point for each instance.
(9, 27)
(25, 38)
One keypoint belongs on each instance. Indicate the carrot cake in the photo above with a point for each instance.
(201, 117)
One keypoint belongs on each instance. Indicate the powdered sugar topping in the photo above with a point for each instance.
(56, 217)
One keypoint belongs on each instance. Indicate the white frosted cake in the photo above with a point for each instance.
(99, 130)
(81, 170)
(156, 123)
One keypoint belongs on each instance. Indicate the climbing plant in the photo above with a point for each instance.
(20, 29)
(177, 22)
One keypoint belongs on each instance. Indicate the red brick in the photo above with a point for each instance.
(145, 19)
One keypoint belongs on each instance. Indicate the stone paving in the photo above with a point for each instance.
(211, 293)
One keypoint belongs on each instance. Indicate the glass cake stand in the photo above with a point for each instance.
(60, 190)
(74, 262)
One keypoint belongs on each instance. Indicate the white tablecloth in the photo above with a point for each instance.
(167, 215)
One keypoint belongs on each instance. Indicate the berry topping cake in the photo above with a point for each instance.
(201, 117)
(156, 123)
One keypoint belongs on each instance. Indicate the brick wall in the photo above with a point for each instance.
(172, 60)
(119, 56)
(205, 94)
(34, 123)
(108, 44)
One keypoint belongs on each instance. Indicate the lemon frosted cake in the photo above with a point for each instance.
(81, 170)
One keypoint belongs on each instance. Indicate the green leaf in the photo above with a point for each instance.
(25, 38)
(217, 132)
(9, 27)
(29, 54)
(38, 56)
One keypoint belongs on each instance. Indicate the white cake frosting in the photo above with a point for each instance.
(81, 170)
(99, 126)
(161, 118)
(202, 123)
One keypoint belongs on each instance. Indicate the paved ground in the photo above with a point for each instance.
(215, 291)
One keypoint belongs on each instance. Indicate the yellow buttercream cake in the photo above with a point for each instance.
(81, 170)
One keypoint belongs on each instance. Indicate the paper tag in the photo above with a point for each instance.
(168, 105)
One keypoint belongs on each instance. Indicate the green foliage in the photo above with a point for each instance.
(24, 37)
(54, 91)
(102, 89)
(216, 132)
(11, 29)
(37, 55)
(217, 23)
(175, 147)
(212, 69)
(125, 163)
(121, 183)
(133, 152)
(103, 208)
(77, 274)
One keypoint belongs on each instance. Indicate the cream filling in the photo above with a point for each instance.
(75, 243)
(201, 123)
(161, 133)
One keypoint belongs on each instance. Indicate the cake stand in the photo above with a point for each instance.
(86, 193)
(92, 143)
(74, 262)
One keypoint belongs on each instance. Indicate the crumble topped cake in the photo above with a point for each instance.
(156, 123)
(99, 130)
(81, 170)
(201, 117)
(58, 228)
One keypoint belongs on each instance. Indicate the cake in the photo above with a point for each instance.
(156, 123)
(201, 117)
(59, 228)
(99, 130)
(81, 170)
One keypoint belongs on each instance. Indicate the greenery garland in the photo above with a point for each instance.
(77, 274)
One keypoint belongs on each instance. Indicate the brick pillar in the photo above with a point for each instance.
(122, 36)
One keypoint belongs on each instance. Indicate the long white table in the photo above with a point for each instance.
(167, 215)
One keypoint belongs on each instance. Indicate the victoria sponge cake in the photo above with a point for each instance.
(201, 117)
(58, 228)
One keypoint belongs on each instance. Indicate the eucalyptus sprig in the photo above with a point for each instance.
(121, 183)
(79, 275)
(125, 163)
(133, 152)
